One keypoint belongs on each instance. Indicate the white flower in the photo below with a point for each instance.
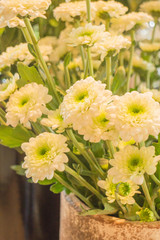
(21, 53)
(125, 191)
(130, 20)
(68, 11)
(27, 104)
(44, 155)
(111, 45)
(149, 47)
(155, 92)
(55, 121)
(87, 35)
(131, 163)
(104, 10)
(8, 87)
(137, 116)
(10, 9)
(151, 7)
(98, 125)
(84, 96)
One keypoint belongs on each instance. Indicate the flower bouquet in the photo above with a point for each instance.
(84, 105)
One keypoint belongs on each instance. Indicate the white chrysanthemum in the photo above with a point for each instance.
(84, 96)
(137, 116)
(87, 35)
(125, 191)
(27, 104)
(132, 163)
(155, 92)
(98, 125)
(21, 53)
(68, 11)
(111, 45)
(55, 121)
(10, 9)
(8, 87)
(149, 47)
(139, 63)
(130, 20)
(151, 7)
(102, 10)
(44, 155)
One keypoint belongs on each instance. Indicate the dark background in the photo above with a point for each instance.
(27, 211)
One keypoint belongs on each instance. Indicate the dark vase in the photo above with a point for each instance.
(27, 211)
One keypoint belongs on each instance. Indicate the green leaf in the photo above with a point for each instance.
(47, 182)
(19, 170)
(131, 213)
(28, 75)
(157, 146)
(67, 59)
(57, 188)
(119, 79)
(98, 149)
(14, 137)
(31, 49)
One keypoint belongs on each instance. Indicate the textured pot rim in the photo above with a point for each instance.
(76, 204)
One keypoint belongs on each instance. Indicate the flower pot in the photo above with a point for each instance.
(76, 227)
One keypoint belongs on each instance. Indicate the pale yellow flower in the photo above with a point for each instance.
(8, 87)
(151, 7)
(111, 45)
(68, 11)
(44, 155)
(130, 20)
(27, 104)
(55, 121)
(137, 116)
(155, 92)
(102, 10)
(149, 47)
(10, 9)
(125, 191)
(131, 163)
(87, 35)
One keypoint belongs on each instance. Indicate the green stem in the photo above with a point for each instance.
(26, 34)
(130, 61)
(84, 153)
(110, 148)
(155, 179)
(88, 5)
(83, 182)
(41, 60)
(86, 69)
(108, 72)
(149, 200)
(76, 159)
(67, 77)
(107, 23)
(2, 121)
(83, 57)
(90, 62)
(68, 186)
(150, 57)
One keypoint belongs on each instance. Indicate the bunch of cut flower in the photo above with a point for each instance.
(84, 107)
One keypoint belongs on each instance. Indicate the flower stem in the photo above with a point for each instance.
(76, 159)
(83, 57)
(67, 77)
(26, 34)
(41, 60)
(149, 200)
(108, 72)
(155, 179)
(67, 185)
(130, 61)
(110, 148)
(90, 62)
(2, 121)
(88, 5)
(150, 57)
(83, 182)
(84, 153)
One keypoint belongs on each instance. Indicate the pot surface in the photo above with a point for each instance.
(76, 227)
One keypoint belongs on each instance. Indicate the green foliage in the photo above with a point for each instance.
(28, 75)
(131, 213)
(31, 49)
(57, 188)
(119, 79)
(14, 137)
(47, 182)
(18, 169)
(67, 59)
(157, 146)
(98, 149)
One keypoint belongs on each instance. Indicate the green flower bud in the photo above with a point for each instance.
(146, 215)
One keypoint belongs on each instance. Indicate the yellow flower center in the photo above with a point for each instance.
(136, 110)
(134, 163)
(81, 96)
(124, 189)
